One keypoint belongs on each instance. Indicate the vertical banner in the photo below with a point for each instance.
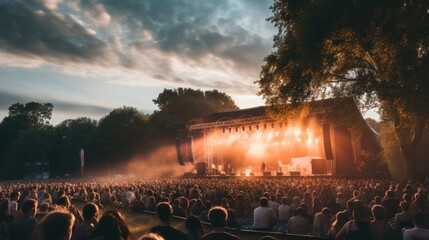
(82, 161)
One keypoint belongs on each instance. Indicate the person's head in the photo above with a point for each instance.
(45, 208)
(164, 211)
(284, 200)
(360, 211)
(299, 211)
(29, 207)
(194, 226)
(64, 201)
(326, 211)
(14, 196)
(57, 225)
(379, 212)
(151, 236)
(263, 201)
(90, 211)
(340, 219)
(267, 238)
(112, 226)
(390, 194)
(377, 200)
(405, 206)
(218, 217)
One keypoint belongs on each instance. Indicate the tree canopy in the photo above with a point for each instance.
(374, 51)
(187, 104)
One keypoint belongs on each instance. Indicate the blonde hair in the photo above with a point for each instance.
(151, 236)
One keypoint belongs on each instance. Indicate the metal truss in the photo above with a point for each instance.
(231, 123)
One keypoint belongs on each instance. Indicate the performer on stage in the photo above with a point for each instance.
(263, 167)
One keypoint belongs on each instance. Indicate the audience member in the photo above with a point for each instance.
(194, 228)
(165, 214)
(380, 228)
(404, 219)
(284, 210)
(13, 204)
(177, 210)
(218, 217)
(22, 228)
(418, 232)
(112, 226)
(264, 217)
(298, 224)
(90, 215)
(359, 227)
(340, 219)
(391, 204)
(151, 236)
(322, 222)
(56, 225)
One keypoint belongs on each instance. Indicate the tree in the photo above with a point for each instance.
(23, 119)
(375, 51)
(187, 104)
(119, 136)
(32, 151)
(178, 106)
(71, 135)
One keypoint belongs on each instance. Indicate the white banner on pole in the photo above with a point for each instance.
(82, 157)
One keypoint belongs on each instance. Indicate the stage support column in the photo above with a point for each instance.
(208, 150)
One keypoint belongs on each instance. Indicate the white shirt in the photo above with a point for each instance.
(262, 217)
(273, 205)
(298, 224)
(284, 212)
(12, 207)
(416, 233)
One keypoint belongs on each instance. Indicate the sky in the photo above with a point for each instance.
(87, 57)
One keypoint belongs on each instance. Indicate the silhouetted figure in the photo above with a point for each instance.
(218, 217)
(56, 225)
(90, 215)
(418, 232)
(194, 228)
(165, 214)
(112, 226)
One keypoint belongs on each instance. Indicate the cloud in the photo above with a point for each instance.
(189, 42)
(60, 107)
(32, 30)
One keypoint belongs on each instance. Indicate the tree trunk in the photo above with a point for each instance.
(410, 163)
(409, 137)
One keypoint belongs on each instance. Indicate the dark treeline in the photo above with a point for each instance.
(30, 145)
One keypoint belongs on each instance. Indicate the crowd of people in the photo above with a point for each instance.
(336, 208)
